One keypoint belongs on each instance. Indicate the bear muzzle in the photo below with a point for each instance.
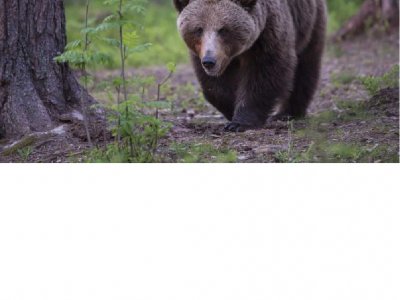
(208, 62)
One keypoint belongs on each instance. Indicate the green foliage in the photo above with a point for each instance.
(80, 59)
(77, 52)
(140, 135)
(154, 26)
(389, 80)
(134, 120)
(193, 99)
(284, 156)
(290, 155)
(159, 28)
(23, 144)
(349, 152)
(338, 79)
(328, 143)
(338, 151)
(351, 110)
(137, 134)
(340, 11)
(25, 153)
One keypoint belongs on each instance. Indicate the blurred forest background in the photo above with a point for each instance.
(160, 28)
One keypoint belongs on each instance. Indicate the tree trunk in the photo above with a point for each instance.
(385, 12)
(34, 90)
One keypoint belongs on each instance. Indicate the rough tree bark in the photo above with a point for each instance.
(34, 90)
(373, 10)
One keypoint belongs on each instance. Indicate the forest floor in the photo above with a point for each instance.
(346, 123)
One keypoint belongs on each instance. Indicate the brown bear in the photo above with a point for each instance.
(255, 56)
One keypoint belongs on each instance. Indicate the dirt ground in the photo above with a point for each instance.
(345, 123)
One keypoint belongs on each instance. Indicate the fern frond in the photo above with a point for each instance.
(75, 45)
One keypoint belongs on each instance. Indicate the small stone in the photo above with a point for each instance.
(191, 113)
(71, 116)
(180, 129)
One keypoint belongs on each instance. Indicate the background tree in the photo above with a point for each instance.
(34, 90)
(383, 12)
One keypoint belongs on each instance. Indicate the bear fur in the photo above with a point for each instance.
(252, 57)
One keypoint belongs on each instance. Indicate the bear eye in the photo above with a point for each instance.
(199, 32)
(223, 32)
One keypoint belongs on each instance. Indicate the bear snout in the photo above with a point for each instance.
(208, 62)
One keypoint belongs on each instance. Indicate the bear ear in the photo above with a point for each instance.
(247, 3)
(180, 4)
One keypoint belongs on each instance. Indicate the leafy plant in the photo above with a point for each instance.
(77, 54)
(25, 153)
(137, 133)
(389, 80)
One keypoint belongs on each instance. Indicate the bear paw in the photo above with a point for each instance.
(282, 117)
(237, 127)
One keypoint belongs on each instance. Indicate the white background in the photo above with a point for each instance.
(199, 232)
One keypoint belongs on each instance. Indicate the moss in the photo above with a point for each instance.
(28, 141)
(4, 142)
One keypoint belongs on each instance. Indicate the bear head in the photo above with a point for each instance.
(217, 30)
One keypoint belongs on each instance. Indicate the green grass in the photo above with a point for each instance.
(325, 142)
(338, 79)
(203, 153)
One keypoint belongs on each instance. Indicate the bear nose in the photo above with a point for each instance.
(208, 62)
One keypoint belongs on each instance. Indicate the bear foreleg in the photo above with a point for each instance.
(265, 79)
(307, 74)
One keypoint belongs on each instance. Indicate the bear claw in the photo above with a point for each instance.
(236, 127)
